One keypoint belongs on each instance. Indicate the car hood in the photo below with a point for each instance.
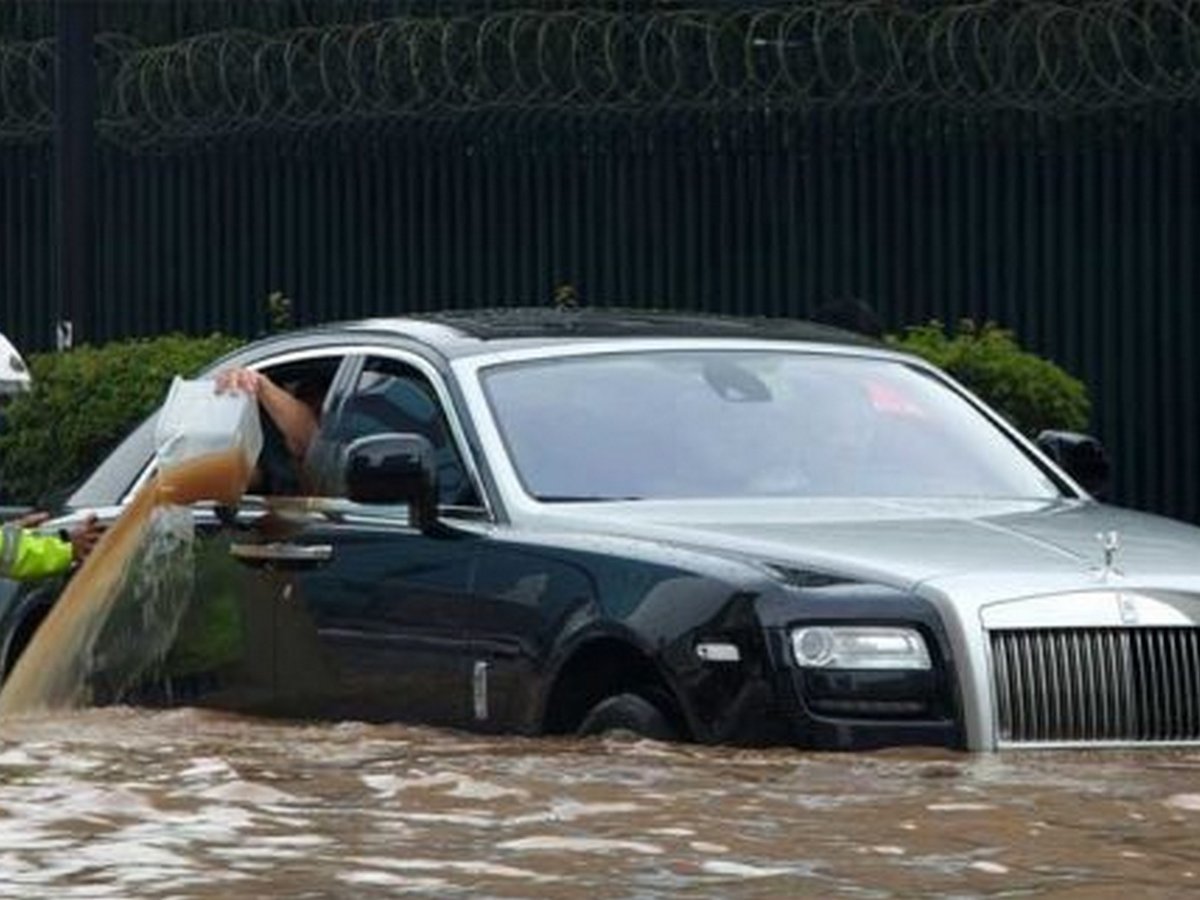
(1015, 547)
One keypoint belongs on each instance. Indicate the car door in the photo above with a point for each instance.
(188, 623)
(525, 598)
(375, 628)
(225, 648)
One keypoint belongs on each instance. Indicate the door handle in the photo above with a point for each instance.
(281, 554)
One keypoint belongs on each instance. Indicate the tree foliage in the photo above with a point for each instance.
(1033, 393)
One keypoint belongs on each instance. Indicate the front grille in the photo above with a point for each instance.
(1092, 685)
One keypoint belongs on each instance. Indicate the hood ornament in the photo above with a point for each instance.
(1110, 543)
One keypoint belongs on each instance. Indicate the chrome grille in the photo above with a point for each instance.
(1093, 685)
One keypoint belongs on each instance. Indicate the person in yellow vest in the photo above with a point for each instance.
(26, 555)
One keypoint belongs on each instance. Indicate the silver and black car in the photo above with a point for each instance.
(722, 530)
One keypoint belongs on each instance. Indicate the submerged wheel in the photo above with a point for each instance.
(629, 712)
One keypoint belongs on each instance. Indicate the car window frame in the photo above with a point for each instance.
(281, 359)
(353, 354)
(348, 375)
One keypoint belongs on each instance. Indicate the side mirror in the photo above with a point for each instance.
(394, 468)
(1082, 456)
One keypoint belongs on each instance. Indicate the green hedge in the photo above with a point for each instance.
(83, 402)
(1033, 393)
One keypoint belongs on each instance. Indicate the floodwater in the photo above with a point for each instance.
(126, 803)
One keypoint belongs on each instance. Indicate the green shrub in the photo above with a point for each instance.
(1032, 393)
(84, 401)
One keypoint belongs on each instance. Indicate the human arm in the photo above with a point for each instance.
(296, 421)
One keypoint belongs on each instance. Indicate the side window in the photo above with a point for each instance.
(279, 472)
(390, 396)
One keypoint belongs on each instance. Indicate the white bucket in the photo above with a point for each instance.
(197, 421)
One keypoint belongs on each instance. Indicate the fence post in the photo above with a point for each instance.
(76, 102)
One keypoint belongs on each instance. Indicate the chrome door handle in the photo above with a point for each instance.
(282, 554)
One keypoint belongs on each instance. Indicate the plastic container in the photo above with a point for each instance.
(196, 421)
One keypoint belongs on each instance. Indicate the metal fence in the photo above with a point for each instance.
(1030, 163)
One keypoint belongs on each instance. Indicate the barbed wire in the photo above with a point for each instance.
(1041, 56)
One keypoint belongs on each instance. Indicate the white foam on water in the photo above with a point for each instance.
(18, 836)
(204, 825)
(73, 763)
(474, 789)
(207, 767)
(672, 832)
(247, 792)
(888, 850)
(16, 757)
(959, 807)
(108, 801)
(731, 869)
(67, 799)
(281, 819)
(385, 785)
(706, 847)
(261, 850)
(456, 784)
(425, 780)
(547, 842)
(393, 881)
(641, 747)
(12, 865)
(127, 856)
(572, 810)
(1190, 802)
(475, 821)
(467, 867)
(294, 841)
(992, 868)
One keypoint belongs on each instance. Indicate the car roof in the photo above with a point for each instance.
(468, 332)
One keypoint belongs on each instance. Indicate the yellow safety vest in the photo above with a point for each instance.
(25, 555)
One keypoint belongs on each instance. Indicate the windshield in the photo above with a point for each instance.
(722, 424)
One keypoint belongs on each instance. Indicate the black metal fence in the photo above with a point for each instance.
(1031, 163)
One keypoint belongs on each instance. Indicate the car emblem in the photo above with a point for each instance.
(1128, 610)
(1110, 543)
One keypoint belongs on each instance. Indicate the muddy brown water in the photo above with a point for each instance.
(122, 803)
(132, 555)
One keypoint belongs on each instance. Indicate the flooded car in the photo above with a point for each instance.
(702, 528)
(14, 374)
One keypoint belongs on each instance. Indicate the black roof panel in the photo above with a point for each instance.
(509, 323)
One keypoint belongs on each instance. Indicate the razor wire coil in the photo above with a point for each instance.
(1050, 57)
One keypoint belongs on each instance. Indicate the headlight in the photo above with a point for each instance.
(859, 647)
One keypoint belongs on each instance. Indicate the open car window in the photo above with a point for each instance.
(279, 473)
(126, 467)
